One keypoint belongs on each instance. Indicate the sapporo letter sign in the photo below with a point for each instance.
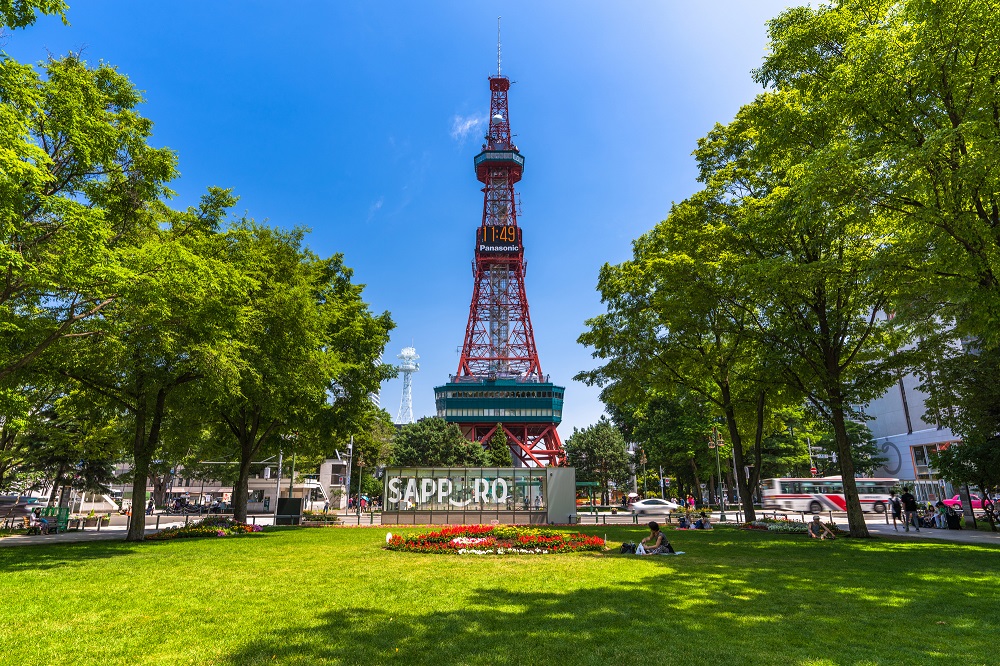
(417, 492)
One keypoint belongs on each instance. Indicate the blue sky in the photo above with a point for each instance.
(359, 121)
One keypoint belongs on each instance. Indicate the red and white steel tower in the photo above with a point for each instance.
(499, 382)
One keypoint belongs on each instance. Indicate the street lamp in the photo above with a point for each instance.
(715, 441)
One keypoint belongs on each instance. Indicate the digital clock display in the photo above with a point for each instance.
(505, 238)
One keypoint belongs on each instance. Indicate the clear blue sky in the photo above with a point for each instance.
(347, 118)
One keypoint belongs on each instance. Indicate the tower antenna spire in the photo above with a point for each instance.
(498, 46)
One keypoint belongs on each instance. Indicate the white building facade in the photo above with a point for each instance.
(907, 433)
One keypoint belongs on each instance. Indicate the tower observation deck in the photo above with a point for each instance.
(499, 381)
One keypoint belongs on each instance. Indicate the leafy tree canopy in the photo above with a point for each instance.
(599, 453)
(433, 442)
(498, 449)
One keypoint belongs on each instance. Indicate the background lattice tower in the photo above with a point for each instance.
(499, 378)
(408, 366)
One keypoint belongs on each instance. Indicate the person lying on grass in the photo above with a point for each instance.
(659, 544)
(818, 530)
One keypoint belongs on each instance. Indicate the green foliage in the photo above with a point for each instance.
(77, 180)
(912, 86)
(598, 453)
(680, 321)
(370, 485)
(304, 334)
(673, 432)
(433, 442)
(22, 13)
(965, 394)
(498, 449)
(866, 454)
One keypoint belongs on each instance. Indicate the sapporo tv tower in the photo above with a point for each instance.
(499, 380)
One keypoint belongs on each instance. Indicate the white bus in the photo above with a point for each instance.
(815, 495)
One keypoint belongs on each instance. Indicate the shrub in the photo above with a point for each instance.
(210, 526)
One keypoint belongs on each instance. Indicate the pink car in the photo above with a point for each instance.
(956, 502)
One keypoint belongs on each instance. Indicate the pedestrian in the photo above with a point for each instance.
(909, 509)
(896, 506)
(326, 506)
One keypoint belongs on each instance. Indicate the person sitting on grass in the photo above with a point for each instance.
(818, 530)
(703, 523)
(659, 544)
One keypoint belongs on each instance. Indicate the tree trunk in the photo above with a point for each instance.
(249, 442)
(56, 484)
(143, 448)
(140, 475)
(855, 515)
(968, 514)
(746, 498)
(160, 484)
(696, 492)
(241, 490)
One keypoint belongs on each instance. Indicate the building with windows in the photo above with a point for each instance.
(907, 433)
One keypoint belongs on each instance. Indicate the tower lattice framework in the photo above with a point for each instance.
(499, 381)
(408, 366)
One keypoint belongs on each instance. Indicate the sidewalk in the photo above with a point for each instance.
(878, 527)
(109, 533)
(113, 532)
(966, 535)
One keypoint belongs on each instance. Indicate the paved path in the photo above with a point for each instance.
(876, 525)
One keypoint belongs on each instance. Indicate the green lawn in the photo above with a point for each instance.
(317, 596)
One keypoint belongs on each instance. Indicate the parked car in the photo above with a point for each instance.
(642, 507)
(956, 502)
(14, 506)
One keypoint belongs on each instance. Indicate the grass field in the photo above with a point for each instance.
(334, 596)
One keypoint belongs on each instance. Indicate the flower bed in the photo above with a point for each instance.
(211, 526)
(786, 526)
(494, 540)
(318, 519)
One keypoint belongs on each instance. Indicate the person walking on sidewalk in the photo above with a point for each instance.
(909, 509)
(896, 506)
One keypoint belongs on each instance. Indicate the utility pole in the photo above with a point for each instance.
(350, 461)
(277, 488)
(715, 441)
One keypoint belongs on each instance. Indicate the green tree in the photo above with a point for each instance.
(498, 449)
(913, 87)
(673, 433)
(822, 264)
(599, 453)
(76, 171)
(305, 336)
(678, 321)
(173, 324)
(864, 451)
(22, 13)
(964, 393)
(433, 442)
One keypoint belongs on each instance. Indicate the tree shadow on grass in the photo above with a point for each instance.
(783, 612)
(49, 556)
(31, 557)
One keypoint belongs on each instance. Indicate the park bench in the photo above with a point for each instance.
(53, 527)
